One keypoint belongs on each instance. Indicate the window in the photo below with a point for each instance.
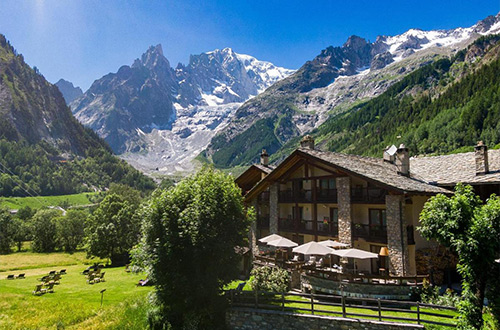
(325, 184)
(378, 218)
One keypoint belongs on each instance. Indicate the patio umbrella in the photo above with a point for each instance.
(270, 238)
(355, 254)
(333, 244)
(282, 242)
(498, 260)
(313, 248)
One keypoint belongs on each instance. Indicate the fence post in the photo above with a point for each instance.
(343, 306)
(312, 304)
(418, 313)
(282, 301)
(379, 310)
(256, 299)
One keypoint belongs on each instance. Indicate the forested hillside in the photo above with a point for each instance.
(43, 148)
(444, 107)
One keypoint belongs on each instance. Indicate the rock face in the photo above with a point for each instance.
(169, 115)
(33, 110)
(332, 83)
(69, 92)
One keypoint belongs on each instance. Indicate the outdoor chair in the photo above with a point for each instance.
(21, 276)
(10, 277)
(91, 278)
(100, 277)
(85, 272)
(321, 263)
(38, 290)
(43, 278)
(127, 268)
(63, 272)
(295, 258)
(56, 278)
(49, 288)
(52, 272)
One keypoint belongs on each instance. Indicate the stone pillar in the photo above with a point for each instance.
(252, 235)
(397, 239)
(345, 209)
(273, 208)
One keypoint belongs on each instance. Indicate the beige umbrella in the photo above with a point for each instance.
(355, 254)
(313, 248)
(333, 244)
(270, 238)
(498, 260)
(282, 242)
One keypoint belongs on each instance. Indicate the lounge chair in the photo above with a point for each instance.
(57, 278)
(63, 272)
(127, 268)
(52, 272)
(320, 263)
(85, 272)
(91, 278)
(145, 282)
(38, 290)
(101, 277)
(21, 276)
(45, 278)
(10, 277)
(49, 288)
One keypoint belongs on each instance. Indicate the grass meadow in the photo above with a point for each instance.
(74, 303)
(15, 203)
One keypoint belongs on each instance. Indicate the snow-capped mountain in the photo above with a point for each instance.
(332, 83)
(159, 117)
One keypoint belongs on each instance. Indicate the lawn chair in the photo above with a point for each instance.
(57, 278)
(49, 288)
(101, 277)
(63, 272)
(10, 277)
(38, 290)
(91, 278)
(21, 276)
(52, 272)
(86, 271)
(127, 268)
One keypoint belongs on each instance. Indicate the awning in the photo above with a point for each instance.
(355, 254)
(313, 248)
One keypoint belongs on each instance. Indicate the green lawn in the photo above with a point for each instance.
(74, 304)
(15, 203)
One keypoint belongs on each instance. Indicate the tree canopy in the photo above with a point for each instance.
(190, 233)
(471, 229)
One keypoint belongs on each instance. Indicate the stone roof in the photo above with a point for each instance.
(375, 169)
(451, 169)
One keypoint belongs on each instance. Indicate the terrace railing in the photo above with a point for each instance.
(368, 195)
(347, 307)
(326, 195)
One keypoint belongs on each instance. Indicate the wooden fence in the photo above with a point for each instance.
(333, 305)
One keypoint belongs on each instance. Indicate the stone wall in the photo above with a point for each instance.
(397, 239)
(248, 319)
(273, 208)
(345, 211)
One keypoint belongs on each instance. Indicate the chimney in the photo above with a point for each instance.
(264, 158)
(403, 160)
(481, 157)
(307, 142)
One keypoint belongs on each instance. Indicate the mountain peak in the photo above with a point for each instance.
(152, 57)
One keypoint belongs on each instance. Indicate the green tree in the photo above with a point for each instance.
(112, 230)
(45, 230)
(25, 213)
(6, 230)
(471, 229)
(70, 229)
(21, 232)
(188, 247)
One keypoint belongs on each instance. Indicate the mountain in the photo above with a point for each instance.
(69, 92)
(334, 82)
(158, 116)
(43, 148)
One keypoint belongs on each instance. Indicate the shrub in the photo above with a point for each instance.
(269, 279)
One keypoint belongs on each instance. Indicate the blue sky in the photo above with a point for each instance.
(82, 40)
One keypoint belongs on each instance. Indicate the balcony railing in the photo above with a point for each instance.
(263, 222)
(328, 229)
(368, 195)
(369, 232)
(326, 195)
(293, 196)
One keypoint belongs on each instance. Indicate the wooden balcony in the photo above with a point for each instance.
(305, 226)
(368, 195)
(291, 196)
(376, 234)
(326, 195)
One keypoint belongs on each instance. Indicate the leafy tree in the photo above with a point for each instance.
(6, 230)
(472, 230)
(128, 193)
(188, 247)
(21, 232)
(112, 230)
(70, 229)
(45, 230)
(25, 213)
